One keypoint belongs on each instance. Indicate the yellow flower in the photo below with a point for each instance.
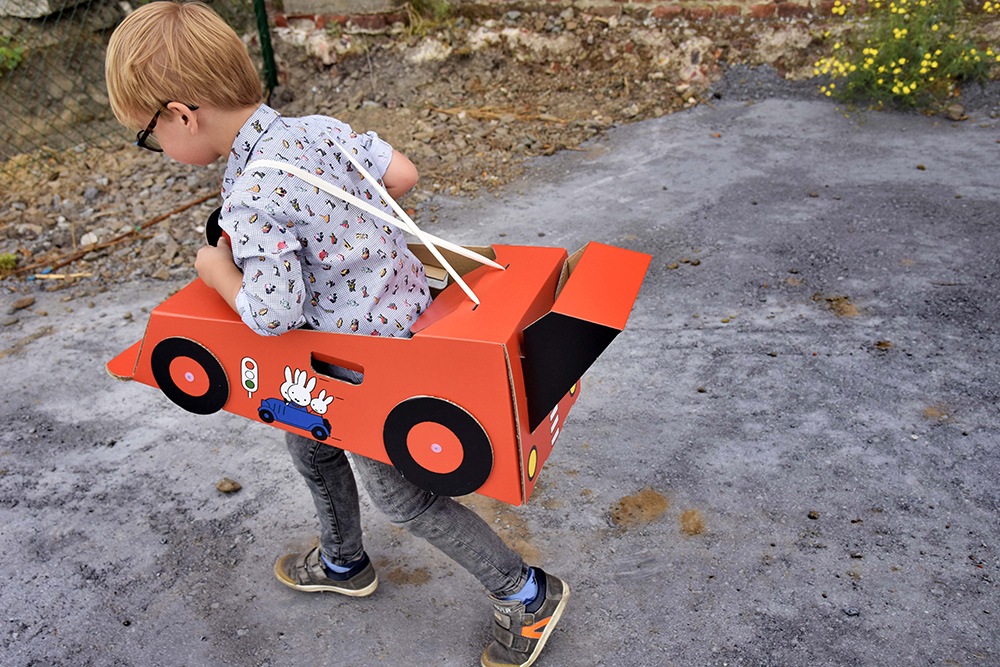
(906, 90)
(895, 89)
(934, 27)
(923, 70)
(880, 81)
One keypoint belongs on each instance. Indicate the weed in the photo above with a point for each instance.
(905, 53)
(10, 56)
(8, 262)
(437, 10)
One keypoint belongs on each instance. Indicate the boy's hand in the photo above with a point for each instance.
(216, 269)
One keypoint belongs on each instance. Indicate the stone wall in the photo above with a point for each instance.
(366, 11)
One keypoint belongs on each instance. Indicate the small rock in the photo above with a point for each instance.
(10, 320)
(673, 266)
(90, 238)
(852, 611)
(921, 167)
(696, 262)
(513, 15)
(91, 194)
(956, 112)
(813, 515)
(228, 485)
(23, 302)
(162, 274)
(857, 554)
(19, 206)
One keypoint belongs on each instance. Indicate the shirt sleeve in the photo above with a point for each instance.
(379, 151)
(368, 145)
(270, 300)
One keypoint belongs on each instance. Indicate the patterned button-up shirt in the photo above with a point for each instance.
(309, 259)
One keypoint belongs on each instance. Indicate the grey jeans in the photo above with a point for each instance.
(451, 527)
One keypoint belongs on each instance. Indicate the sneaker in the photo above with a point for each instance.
(520, 635)
(305, 572)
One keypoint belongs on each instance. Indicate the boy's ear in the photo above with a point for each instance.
(185, 115)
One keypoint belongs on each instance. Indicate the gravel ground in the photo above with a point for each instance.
(468, 102)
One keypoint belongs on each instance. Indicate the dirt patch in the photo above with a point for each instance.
(404, 577)
(692, 522)
(938, 413)
(840, 305)
(640, 509)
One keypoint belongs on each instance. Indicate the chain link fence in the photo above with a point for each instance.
(52, 92)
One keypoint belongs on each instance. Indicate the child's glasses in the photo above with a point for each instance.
(146, 139)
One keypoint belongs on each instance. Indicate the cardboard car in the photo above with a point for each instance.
(473, 402)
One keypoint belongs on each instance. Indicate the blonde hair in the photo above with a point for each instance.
(177, 52)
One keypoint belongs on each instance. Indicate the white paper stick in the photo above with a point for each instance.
(426, 239)
(465, 252)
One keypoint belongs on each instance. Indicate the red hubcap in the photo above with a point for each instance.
(434, 447)
(189, 376)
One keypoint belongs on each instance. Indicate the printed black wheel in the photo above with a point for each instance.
(319, 433)
(265, 416)
(190, 375)
(438, 446)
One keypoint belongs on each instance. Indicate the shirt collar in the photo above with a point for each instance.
(243, 147)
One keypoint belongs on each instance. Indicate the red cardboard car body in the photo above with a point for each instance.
(473, 402)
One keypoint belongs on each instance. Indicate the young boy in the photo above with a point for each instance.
(301, 258)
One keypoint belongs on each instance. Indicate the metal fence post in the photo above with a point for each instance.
(270, 70)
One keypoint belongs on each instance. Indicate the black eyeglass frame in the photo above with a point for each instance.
(142, 135)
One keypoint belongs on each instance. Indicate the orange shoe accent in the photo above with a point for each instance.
(535, 631)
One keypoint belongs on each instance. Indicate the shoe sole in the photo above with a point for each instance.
(545, 634)
(320, 588)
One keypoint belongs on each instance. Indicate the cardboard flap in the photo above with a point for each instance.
(602, 284)
(590, 310)
(122, 367)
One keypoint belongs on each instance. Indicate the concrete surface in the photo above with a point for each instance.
(833, 355)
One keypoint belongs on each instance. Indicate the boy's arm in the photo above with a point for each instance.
(216, 269)
(399, 176)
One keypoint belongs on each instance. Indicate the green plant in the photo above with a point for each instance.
(8, 262)
(905, 53)
(10, 56)
(437, 10)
